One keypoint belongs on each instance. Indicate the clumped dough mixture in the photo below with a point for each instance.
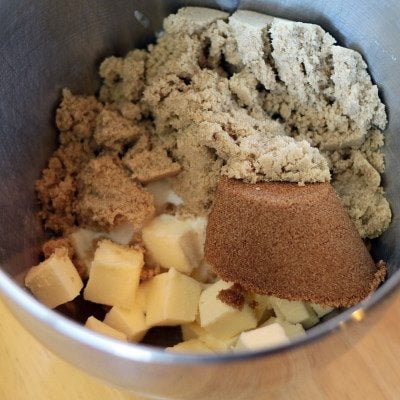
(247, 96)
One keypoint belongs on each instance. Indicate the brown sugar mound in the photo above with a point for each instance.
(289, 241)
(56, 189)
(149, 161)
(113, 131)
(108, 197)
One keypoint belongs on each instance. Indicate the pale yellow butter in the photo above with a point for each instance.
(320, 310)
(263, 309)
(84, 240)
(219, 345)
(142, 295)
(172, 299)
(292, 330)
(132, 322)
(54, 281)
(220, 319)
(173, 243)
(195, 331)
(266, 336)
(192, 331)
(114, 275)
(190, 346)
(100, 327)
(294, 312)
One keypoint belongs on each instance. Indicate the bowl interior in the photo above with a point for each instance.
(47, 46)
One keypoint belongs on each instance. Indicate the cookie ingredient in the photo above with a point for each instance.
(114, 275)
(220, 319)
(95, 325)
(54, 281)
(172, 299)
(174, 243)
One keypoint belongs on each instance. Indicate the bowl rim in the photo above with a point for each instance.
(136, 352)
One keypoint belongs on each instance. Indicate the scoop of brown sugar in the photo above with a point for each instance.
(290, 241)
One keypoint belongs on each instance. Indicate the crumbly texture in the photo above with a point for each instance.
(150, 163)
(56, 189)
(113, 131)
(50, 246)
(107, 197)
(233, 296)
(247, 96)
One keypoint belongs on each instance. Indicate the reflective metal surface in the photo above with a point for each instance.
(45, 46)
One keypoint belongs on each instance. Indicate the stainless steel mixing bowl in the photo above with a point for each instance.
(47, 45)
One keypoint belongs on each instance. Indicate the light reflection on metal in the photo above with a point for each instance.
(358, 315)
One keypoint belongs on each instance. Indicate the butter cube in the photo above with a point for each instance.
(172, 299)
(195, 331)
(84, 241)
(114, 275)
(292, 330)
(173, 243)
(54, 281)
(199, 225)
(220, 319)
(190, 346)
(320, 310)
(219, 345)
(260, 338)
(100, 327)
(142, 295)
(192, 331)
(132, 322)
(263, 309)
(294, 312)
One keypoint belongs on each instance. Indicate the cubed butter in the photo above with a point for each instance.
(260, 338)
(84, 241)
(294, 312)
(54, 281)
(292, 330)
(190, 346)
(219, 345)
(132, 322)
(173, 243)
(114, 275)
(320, 310)
(192, 331)
(195, 331)
(263, 309)
(172, 299)
(141, 296)
(220, 319)
(199, 225)
(100, 327)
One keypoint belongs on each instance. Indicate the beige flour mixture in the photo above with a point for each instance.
(247, 96)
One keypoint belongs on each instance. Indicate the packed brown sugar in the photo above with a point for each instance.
(219, 107)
